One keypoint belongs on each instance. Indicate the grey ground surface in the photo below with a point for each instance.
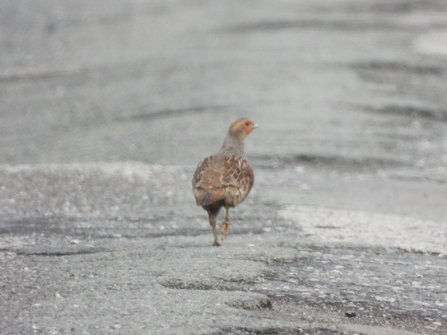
(107, 107)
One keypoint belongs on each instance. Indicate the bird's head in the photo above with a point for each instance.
(243, 127)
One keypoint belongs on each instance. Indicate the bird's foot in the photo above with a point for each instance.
(225, 229)
(216, 244)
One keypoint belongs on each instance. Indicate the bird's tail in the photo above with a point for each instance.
(207, 198)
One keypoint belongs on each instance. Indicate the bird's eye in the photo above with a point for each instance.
(247, 123)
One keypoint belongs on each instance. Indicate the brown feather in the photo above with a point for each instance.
(226, 178)
(222, 179)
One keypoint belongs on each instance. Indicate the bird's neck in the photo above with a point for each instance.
(234, 144)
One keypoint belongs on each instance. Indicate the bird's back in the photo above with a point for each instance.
(223, 180)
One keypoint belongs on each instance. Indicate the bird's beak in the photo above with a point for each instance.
(255, 126)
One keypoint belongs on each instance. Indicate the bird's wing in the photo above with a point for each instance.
(200, 172)
(206, 183)
(215, 174)
(237, 172)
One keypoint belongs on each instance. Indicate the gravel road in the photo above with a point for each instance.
(106, 109)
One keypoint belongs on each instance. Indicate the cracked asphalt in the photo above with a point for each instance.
(107, 107)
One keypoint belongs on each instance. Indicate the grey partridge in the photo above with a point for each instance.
(225, 178)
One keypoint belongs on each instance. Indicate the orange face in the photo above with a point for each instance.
(244, 126)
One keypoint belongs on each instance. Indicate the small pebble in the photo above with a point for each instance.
(350, 314)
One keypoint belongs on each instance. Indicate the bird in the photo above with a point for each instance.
(225, 178)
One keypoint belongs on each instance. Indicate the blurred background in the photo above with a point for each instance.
(345, 87)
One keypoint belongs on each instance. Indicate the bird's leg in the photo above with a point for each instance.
(212, 218)
(226, 223)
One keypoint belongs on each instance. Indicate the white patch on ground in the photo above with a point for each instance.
(128, 169)
(434, 42)
(335, 226)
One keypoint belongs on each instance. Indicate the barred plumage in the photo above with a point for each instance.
(226, 178)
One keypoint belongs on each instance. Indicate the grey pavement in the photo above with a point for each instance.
(107, 107)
